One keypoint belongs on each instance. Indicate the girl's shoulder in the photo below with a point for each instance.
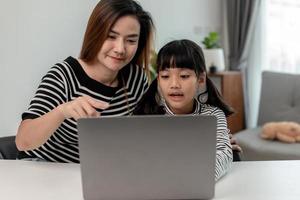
(211, 110)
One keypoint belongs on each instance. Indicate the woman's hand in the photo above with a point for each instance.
(234, 144)
(82, 107)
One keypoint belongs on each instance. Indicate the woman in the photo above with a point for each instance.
(107, 79)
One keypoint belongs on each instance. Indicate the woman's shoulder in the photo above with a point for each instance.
(135, 77)
(68, 64)
(58, 70)
(66, 69)
(134, 72)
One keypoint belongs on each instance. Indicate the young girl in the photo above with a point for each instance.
(182, 87)
(108, 77)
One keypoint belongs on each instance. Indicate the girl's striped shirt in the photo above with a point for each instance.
(224, 154)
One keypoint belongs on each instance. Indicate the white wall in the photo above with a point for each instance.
(178, 19)
(35, 34)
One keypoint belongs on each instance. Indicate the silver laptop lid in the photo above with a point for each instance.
(148, 157)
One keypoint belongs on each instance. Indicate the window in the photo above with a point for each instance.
(282, 35)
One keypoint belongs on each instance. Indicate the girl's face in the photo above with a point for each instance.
(178, 86)
(121, 44)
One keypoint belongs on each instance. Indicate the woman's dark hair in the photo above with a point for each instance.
(185, 54)
(102, 19)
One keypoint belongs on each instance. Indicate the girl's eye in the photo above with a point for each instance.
(164, 76)
(185, 76)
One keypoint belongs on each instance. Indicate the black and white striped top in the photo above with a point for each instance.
(66, 81)
(224, 154)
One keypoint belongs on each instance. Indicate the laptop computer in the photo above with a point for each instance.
(148, 157)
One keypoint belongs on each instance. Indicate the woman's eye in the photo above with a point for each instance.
(111, 37)
(132, 41)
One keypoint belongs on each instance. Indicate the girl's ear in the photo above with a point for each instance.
(202, 94)
(159, 97)
(202, 80)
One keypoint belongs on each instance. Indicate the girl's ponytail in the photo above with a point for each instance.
(215, 98)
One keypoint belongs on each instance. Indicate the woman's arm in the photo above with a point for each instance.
(32, 133)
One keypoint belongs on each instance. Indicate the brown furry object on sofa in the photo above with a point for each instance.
(288, 132)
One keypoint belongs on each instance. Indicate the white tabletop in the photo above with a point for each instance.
(261, 180)
(39, 180)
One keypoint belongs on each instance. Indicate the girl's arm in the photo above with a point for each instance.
(224, 154)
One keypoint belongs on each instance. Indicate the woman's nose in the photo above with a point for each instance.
(119, 47)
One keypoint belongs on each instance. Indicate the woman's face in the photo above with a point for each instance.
(121, 44)
(178, 86)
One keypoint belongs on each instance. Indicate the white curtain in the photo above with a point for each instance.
(252, 72)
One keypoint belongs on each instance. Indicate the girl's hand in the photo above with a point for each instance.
(234, 144)
(82, 107)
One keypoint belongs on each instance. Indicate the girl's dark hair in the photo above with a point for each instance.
(149, 102)
(181, 54)
(102, 19)
(185, 54)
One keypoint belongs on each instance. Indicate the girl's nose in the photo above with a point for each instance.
(175, 83)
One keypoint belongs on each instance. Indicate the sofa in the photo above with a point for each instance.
(8, 149)
(279, 101)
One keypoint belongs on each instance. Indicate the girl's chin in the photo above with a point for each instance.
(175, 105)
(178, 107)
